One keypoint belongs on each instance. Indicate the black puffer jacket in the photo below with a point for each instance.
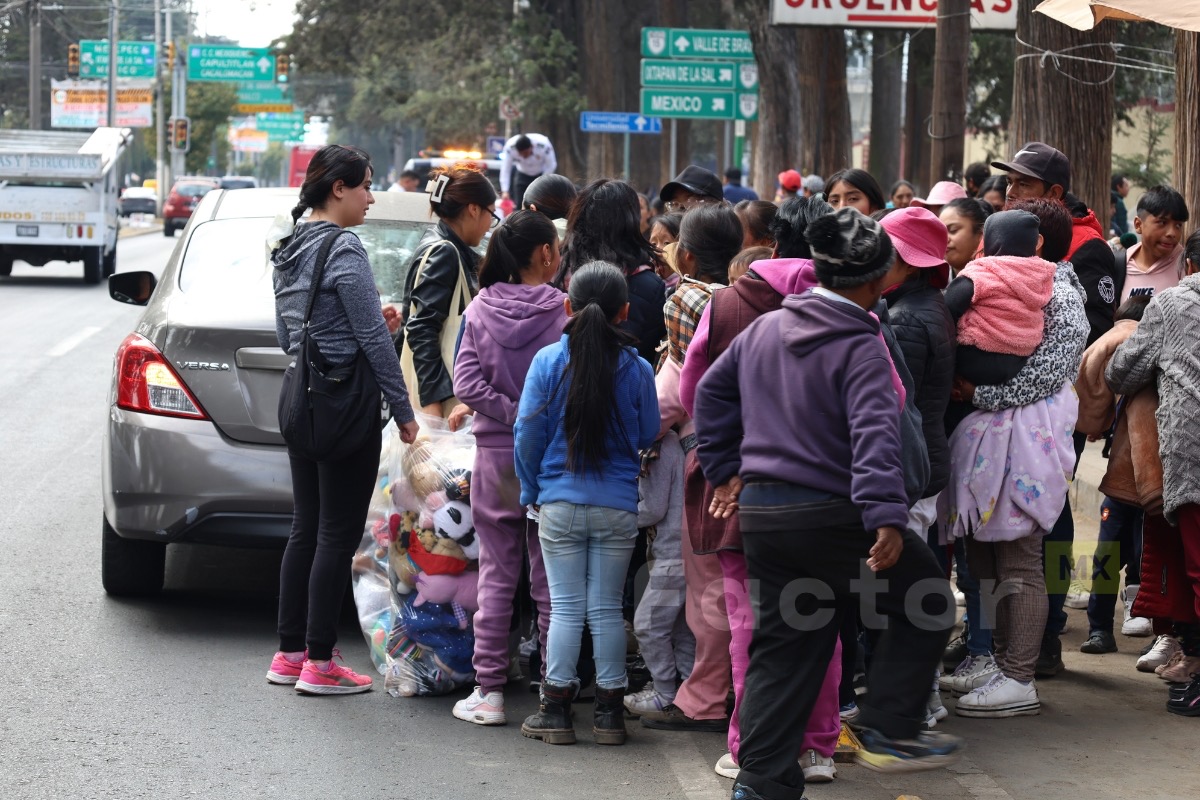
(647, 296)
(926, 334)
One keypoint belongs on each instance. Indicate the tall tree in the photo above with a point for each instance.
(918, 107)
(777, 133)
(1187, 111)
(824, 100)
(952, 49)
(1082, 127)
(887, 86)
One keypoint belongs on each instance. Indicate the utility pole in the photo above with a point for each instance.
(160, 177)
(113, 47)
(35, 65)
(178, 101)
(951, 49)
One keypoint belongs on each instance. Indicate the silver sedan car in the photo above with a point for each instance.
(191, 450)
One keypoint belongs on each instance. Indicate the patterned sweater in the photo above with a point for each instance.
(1056, 360)
(1166, 347)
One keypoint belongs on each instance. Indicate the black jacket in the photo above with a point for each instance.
(427, 306)
(914, 452)
(647, 296)
(926, 335)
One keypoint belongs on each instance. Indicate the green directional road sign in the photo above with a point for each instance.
(695, 43)
(680, 74)
(257, 97)
(281, 127)
(134, 59)
(216, 62)
(699, 104)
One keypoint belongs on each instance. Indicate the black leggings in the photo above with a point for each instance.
(331, 500)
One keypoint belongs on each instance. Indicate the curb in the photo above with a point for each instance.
(127, 233)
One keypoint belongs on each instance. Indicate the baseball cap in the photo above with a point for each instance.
(790, 180)
(941, 193)
(1041, 161)
(696, 180)
(920, 240)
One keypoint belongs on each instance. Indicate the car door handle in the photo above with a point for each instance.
(262, 358)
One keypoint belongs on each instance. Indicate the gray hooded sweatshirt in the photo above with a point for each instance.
(347, 314)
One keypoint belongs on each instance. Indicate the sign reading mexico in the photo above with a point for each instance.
(985, 14)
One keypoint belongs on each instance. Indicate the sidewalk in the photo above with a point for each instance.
(129, 229)
(1084, 494)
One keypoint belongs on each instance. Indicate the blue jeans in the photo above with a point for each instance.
(979, 630)
(1120, 525)
(1058, 572)
(587, 551)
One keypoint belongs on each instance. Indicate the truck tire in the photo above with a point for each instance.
(6, 264)
(130, 567)
(110, 261)
(93, 264)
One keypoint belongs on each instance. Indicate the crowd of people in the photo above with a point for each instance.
(811, 420)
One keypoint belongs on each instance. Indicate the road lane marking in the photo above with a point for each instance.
(71, 342)
(976, 782)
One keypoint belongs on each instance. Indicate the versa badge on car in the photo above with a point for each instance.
(212, 365)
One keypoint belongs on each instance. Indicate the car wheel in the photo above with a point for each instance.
(93, 263)
(130, 567)
(110, 261)
(168, 230)
(6, 264)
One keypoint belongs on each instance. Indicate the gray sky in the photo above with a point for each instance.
(250, 23)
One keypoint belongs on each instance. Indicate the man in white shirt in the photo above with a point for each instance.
(407, 182)
(525, 157)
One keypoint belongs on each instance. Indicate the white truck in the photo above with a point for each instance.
(58, 198)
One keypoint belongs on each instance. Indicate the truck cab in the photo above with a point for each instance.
(59, 198)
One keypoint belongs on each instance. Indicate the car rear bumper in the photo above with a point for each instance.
(179, 480)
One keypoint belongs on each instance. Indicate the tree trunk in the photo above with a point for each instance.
(1073, 114)
(1187, 111)
(823, 100)
(887, 84)
(952, 48)
(918, 108)
(777, 135)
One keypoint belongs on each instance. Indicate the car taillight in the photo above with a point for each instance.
(146, 382)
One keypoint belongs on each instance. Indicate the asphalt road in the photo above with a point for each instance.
(166, 698)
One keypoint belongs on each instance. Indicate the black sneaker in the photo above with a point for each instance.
(1186, 704)
(1099, 642)
(671, 718)
(1049, 661)
(929, 750)
(956, 651)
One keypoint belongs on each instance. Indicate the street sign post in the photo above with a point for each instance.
(696, 43)
(215, 62)
(618, 122)
(680, 74)
(134, 59)
(699, 104)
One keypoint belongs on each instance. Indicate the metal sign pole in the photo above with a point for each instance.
(625, 158)
(674, 145)
(113, 55)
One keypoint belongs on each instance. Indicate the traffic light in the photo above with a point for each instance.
(282, 62)
(179, 134)
(72, 61)
(170, 55)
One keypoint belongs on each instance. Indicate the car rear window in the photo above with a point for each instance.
(229, 254)
(193, 189)
(236, 184)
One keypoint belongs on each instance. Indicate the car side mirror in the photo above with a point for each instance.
(134, 288)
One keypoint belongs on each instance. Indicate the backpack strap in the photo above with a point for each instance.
(318, 271)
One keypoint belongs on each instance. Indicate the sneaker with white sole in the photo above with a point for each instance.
(482, 709)
(935, 709)
(848, 712)
(1182, 670)
(330, 677)
(1170, 663)
(1163, 650)
(284, 671)
(726, 767)
(646, 701)
(1134, 626)
(817, 768)
(1077, 595)
(1000, 697)
(973, 672)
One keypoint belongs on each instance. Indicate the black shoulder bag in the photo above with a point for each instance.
(326, 412)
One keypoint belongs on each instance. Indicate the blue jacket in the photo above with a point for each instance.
(736, 193)
(540, 446)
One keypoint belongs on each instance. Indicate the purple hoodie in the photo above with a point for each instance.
(506, 325)
(824, 412)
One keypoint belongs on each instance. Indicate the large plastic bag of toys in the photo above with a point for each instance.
(420, 548)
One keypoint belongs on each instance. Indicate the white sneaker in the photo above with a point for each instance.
(726, 767)
(817, 768)
(960, 599)
(973, 672)
(1000, 697)
(1164, 649)
(1134, 626)
(1077, 595)
(646, 701)
(482, 709)
(935, 709)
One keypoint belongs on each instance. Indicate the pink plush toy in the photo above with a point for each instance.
(461, 591)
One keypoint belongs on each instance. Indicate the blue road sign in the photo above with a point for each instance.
(495, 145)
(618, 122)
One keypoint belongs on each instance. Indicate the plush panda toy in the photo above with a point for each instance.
(453, 521)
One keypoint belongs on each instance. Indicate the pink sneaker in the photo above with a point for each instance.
(335, 679)
(283, 671)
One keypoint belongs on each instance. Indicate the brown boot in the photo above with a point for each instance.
(552, 723)
(609, 724)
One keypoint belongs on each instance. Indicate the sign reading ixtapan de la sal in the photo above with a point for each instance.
(985, 14)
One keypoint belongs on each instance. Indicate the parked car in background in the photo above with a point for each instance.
(137, 200)
(238, 182)
(191, 450)
(185, 194)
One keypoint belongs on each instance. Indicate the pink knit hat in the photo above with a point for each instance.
(920, 239)
(941, 193)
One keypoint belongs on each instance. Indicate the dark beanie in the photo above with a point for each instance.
(1011, 233)
(848, 249)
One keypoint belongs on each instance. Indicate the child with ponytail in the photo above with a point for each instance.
(589, 405)
(515, 315)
